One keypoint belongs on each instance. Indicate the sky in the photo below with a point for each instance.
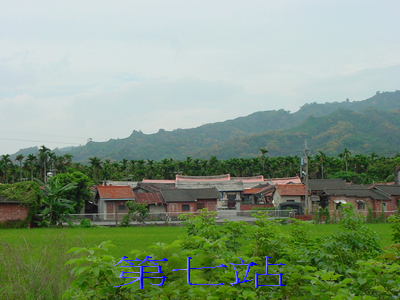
(71, 70)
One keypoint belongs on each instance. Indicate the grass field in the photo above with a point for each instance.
(129, 238)
(32, 260)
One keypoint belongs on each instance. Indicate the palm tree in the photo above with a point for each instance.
(321, 158)
(95, 163)
(345, 155)
(43, 155)
(5, 158)
(20, 158)
(263, 152)
(29, 164)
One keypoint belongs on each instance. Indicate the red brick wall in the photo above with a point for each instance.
(376, 205)
(13, 211)
(192, 205)
(303, 217)
(206, 204)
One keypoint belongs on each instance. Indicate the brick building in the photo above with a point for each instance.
(12, 210)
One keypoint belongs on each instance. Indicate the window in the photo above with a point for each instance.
(121, 207)
(384, 206)
(200, 206)
(185, 207)
(360, 205)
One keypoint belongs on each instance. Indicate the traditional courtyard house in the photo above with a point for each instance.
(249, 182)
(230, 191)
(360, 197)
(111, 200)
(154, 202)
(189, 200)
(318, 187)
(257, 197)
(289, 196)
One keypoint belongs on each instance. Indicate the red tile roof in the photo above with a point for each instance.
(251, 191)
(291, 189)
(148, 198)
(115, 192)
(256, 190)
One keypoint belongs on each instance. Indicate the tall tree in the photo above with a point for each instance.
(20, 158)
(29, 164)
(6, 161)
(81, 193)
(95, 164)
(43, 161)
(263, 152)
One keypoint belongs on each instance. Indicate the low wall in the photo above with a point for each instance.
(304, 217)
(254, 206)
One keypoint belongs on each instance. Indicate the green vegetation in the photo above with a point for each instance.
(56, 208)
(360, 168)
(27, 193)
(136, 212)
(43, 252)
(347, 264)
(80, 192)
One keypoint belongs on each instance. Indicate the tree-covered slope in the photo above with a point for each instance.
(280, 131)
(371, 131)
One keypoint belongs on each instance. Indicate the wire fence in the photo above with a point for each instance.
(111, 219)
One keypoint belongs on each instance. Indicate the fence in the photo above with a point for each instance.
(111, 219)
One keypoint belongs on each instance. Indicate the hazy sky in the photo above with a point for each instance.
(74, 70)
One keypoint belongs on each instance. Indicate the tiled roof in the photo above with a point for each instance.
(393, 190)
(189, 195)
(155, 181)
(360, 192)
(322, 184)
(155, 186)
(223, 186)
(148, 198)
(3, 199)
(259, 178)
(132, 184)
(287, 180)
(257, 190)
(290, 189)
(115, 192)
(251, 191)
(203, 178)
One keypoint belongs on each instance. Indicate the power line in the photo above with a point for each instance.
(37, 134)
(20, 140)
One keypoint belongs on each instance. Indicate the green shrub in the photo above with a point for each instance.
(85, 223)
(14, 224)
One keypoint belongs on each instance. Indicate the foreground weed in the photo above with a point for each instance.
(26, 275)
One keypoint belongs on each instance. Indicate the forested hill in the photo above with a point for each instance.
(371, 125)
(361, 133)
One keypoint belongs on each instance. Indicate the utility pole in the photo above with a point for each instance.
(307, 199)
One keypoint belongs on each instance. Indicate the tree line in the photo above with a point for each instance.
(359, 168)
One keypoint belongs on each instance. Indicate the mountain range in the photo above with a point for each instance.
(363, 127)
